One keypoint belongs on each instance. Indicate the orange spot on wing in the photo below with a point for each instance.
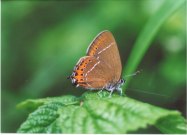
(79, 70)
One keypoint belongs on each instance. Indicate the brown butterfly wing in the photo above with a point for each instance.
(105, 49)
(101, 66)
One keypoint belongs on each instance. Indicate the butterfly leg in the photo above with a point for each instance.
(120, 91)
(110, 93)
(99, 93)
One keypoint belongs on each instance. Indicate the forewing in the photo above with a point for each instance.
(104, 48)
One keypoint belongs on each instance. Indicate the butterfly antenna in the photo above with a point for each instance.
(137, 72)
(147, 92)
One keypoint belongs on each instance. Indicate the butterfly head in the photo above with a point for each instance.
(121, 81)
(116, 86)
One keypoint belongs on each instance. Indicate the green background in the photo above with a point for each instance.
(42, 41)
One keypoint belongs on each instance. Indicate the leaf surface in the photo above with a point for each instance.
(97, 113)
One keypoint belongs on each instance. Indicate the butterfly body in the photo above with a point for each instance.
(101, 68)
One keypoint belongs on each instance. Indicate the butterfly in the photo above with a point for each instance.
(101, 68)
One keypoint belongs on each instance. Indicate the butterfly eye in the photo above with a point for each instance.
(122, 81)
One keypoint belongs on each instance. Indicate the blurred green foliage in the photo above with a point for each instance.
(148, 33)
(42, 41)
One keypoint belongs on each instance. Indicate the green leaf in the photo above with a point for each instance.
(178, 125)
(32, 104)
(97, 113)
(148, 33)
(43, 120)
